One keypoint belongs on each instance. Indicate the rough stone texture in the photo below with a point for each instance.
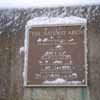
(4, 66)
(12, 28)
(56, 94)
(94, 58)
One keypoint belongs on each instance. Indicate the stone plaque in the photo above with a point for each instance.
(56, 56)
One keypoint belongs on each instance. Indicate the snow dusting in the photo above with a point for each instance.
(61, 81)
(14, 20)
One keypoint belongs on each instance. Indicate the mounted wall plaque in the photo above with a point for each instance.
(56, 52)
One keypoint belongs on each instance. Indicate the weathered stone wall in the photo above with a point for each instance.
(12, 28)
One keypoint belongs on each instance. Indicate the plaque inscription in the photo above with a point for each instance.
(56, 56)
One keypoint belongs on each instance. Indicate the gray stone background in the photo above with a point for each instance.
(12, 29)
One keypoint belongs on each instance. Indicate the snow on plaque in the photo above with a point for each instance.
(56, 52)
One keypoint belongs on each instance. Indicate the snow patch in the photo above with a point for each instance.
(21, 50)
(0, 32)
(72, 20)
(58, 80)
(9, 23)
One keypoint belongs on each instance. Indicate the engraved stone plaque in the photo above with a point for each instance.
(56, 56)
